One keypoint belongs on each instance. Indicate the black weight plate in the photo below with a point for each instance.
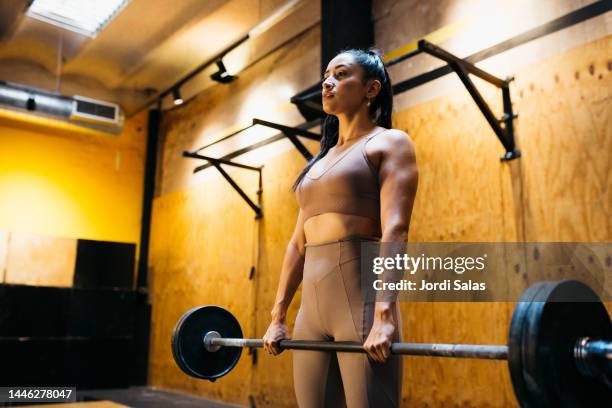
(529, 345)
(562, 313)
(188, 342)
(515, 342)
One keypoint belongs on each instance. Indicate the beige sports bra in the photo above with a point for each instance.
(349, 185)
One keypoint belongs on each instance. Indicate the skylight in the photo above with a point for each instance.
(87, 17)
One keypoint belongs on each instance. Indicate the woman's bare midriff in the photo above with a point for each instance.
(333, 226)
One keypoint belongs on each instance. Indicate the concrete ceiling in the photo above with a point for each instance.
(146, 48)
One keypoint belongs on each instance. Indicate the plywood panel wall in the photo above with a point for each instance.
(205, 238)
(558, 191)
(40, 261)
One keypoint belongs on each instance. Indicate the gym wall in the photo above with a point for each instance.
(205, 239)
(70, 215)
(91, 186)
(560, 190)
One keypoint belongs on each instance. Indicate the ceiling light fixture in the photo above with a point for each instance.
(176, 95)
(222, 75)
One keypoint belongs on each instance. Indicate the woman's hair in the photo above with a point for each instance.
(381, 107)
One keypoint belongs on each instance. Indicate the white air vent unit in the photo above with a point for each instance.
(94, 111)
(86, 112)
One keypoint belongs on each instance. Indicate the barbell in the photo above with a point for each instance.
(559, 349)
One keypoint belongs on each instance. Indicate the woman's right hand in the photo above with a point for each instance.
(276, 332)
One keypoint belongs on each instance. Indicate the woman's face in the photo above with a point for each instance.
(343, 88)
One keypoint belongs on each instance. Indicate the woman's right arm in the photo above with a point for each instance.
(290, 279)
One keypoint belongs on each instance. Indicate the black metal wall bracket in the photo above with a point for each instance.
(292, 133)
(217, 163)
(504, 127)
(309, 100)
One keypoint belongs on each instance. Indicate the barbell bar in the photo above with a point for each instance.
(559, 349)
(212, 340)
(593, 357)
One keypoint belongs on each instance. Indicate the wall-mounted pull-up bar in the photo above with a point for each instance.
(505, 134)
(308, 101)
(290, 133)
(462, 68)
(217, 163)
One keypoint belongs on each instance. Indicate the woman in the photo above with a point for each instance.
(361, 186)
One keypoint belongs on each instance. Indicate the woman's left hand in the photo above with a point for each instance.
(378, 343)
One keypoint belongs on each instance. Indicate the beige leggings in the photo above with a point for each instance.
(332, 309)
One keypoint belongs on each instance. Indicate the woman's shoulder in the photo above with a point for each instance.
(390, 143)
(395, 134)
(397, 148)
(396, 139)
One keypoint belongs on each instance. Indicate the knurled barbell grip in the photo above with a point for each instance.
(487, 352)
(416, 349)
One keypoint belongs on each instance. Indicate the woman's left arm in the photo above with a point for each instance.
(398, 177)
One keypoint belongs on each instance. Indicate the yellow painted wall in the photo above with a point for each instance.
(60, 181)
